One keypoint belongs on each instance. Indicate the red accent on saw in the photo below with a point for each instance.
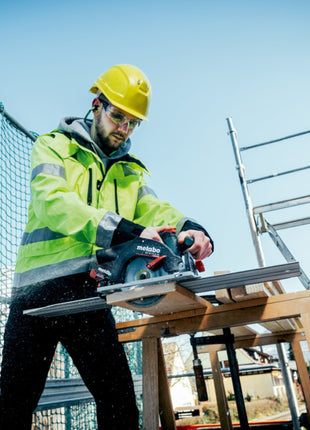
(93, 274)
(96, 276)
(172, 229)
(200, 266)
(155, 263)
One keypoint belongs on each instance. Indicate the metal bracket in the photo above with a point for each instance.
(286, 252)
(126, 330)
(215, 340)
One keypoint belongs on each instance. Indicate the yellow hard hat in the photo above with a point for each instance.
(127, 88)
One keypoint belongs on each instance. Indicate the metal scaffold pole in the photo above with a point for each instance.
(261, 262)
(291, 396)
(246, 196)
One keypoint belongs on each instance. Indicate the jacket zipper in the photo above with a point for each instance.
(90, 188)
(99, 183)
(116, 198)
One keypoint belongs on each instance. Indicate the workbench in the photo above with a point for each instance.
(287, 316)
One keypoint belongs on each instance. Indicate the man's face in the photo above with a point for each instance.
(110, 135)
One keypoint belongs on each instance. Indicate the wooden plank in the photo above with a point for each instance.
(284, 324)
(269, 288)
(150, 384)
(248, 341)
(171, 298)
(274, 326)
(298, 323)
(221, 398)
(278, 288)
(268, 338)
(305, 318)
(223, 296)
(303, 372)
(248, 292)
(166, 412)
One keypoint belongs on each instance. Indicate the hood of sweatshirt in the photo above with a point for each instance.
(80, 130)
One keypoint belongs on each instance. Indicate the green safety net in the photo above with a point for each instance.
(15, 149)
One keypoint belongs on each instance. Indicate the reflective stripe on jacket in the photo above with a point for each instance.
(76, 207)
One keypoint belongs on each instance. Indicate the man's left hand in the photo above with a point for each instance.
(201, 248)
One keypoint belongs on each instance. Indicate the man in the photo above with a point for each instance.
(87, 193)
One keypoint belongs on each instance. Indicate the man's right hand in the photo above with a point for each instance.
(152, 232)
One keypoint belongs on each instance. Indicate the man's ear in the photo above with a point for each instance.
(96, 104)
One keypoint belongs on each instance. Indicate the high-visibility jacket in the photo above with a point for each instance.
(77, 206)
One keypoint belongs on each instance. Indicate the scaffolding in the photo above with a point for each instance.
(259, 225)
(256, 214)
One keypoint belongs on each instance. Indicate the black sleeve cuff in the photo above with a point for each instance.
(191, 225)
(126, 230)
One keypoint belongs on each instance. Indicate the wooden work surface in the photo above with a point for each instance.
(284, 306)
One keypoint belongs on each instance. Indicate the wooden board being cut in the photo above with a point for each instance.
(248, 292)
(157, 299)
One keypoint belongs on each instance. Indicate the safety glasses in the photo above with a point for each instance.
(119, 118)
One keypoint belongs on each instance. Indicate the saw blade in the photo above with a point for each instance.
(136, 270)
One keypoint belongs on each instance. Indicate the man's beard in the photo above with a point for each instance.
(104, 142)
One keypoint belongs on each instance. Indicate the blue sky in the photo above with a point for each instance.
(206, 60)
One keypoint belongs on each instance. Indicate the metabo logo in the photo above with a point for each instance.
(146, 248)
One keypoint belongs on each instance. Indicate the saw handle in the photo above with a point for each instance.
(170, 239)
(188, 242)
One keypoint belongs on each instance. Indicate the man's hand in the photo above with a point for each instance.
(152, 232)
(201, 248)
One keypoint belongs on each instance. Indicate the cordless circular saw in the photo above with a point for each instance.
(142, 262)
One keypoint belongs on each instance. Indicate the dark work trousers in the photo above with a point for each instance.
(91, 340)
